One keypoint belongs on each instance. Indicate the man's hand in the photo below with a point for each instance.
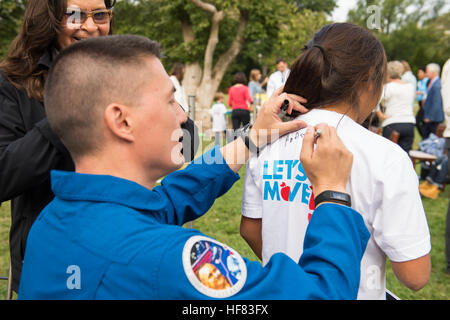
(268, 126)
(328, 166)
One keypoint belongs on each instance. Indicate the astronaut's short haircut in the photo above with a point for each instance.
(88, 76)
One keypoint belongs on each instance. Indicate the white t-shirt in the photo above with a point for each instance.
(276, 80)
(218, 111)
(399, 101)
(383, 186)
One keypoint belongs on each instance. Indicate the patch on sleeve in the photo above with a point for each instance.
(213, 268)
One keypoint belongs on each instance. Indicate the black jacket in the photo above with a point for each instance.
(28, 151)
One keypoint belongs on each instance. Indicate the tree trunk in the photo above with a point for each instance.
(204, 99)
(203, 83)
(193, 71)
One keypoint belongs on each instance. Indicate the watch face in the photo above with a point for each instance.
(334, 196)
(339, 196)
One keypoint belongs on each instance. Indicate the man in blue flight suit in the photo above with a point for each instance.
(111, 234)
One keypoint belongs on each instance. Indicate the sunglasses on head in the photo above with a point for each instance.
(76, 16)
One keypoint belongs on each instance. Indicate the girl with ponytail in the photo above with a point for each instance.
(341, 73)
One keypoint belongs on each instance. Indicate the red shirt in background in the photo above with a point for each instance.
(238, 96)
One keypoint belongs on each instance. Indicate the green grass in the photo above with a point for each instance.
(439, 285)
(223, 219)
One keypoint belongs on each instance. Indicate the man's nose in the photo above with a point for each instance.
(181, 115)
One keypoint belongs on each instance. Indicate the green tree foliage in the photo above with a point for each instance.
(326, 6)
(276, 28)
(290, 37)
(411, 30)
(11, 12)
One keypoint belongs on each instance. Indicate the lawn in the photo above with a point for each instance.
(222, 222)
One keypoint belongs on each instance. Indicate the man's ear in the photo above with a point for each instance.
(118, 121)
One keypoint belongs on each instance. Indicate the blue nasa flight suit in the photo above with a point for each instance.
(126, 242)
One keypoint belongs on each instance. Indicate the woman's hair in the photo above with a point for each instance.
(395, 69)
(42, 22)
(240, 78)
(253, 74)
(178, 71)
(406, 66)
(339, 63)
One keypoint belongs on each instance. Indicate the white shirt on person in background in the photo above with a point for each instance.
(398, 102)
(409, 77)
(445, 91)
(383, 186)
(218, 111)
(276, 80)
(180, 94)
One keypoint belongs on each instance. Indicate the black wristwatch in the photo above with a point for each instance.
(335, 197)
(244, 133)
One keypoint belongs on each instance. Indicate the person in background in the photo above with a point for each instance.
(238, 99)
(422, 84)
(398, 102)
(445, 83)
(408, 76)
(29, 149)
(436, 179)
(278, 78)
(255, 86)
(219, 123)
(176, 76)
(433, 111)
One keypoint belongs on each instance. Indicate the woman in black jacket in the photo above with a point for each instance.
(28, 147)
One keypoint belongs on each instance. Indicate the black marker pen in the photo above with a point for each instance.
(285, 105)
(317, 135)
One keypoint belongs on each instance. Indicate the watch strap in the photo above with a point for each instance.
(245, 135)
(335, 197)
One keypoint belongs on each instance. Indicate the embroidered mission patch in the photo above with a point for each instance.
(213, 268)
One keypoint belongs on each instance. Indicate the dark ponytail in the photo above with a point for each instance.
(306, 75)
(339, 63)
